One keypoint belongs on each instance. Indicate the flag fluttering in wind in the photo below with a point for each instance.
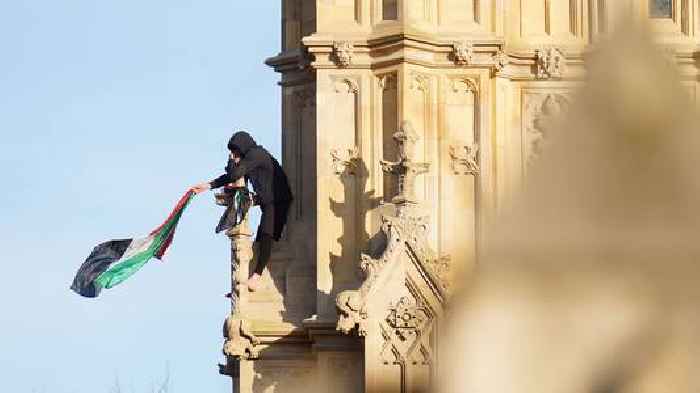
(113, 261)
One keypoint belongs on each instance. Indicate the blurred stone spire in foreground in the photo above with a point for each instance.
(591, 283)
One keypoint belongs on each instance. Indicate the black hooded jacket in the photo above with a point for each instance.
(259, 167)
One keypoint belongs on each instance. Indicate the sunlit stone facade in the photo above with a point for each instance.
(471, 84)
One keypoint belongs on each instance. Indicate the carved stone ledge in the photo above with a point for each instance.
(464, 159)
(345, 163)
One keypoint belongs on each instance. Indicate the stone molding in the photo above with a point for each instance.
(433, 51)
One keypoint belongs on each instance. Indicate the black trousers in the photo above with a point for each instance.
(272, 223)
(273, 220)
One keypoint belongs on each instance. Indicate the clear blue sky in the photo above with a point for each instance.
(109, 110)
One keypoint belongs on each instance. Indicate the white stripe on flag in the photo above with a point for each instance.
(136, 246)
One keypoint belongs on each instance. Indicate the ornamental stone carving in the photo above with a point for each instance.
(353, 312)
(405, 332)
(500, 60)
(406, 318)
(463, 85)
(405, 228)
(345, 163)
(405, 168)
(342, 53)
(551, 63)
(463, 159)
(351, 304)
(240, 341)
(463, 52)
(420, 81)
(345, 85)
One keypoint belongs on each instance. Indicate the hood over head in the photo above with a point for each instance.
(241, 141)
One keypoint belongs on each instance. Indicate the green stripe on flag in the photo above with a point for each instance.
(122, 270)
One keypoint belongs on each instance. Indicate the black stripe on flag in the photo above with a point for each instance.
(100, 259)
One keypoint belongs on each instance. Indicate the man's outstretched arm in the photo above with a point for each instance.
(234, 171)
(216, 183)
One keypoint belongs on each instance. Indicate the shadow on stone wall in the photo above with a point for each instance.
(354, 240)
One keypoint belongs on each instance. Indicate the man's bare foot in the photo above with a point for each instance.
(253, 282)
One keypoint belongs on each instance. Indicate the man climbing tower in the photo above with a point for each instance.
(272, 193)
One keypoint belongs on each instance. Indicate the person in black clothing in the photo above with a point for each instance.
(249, 160)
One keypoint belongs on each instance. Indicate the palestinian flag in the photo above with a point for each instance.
(112, 262)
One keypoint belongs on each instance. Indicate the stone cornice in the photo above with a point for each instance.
(376, 51)
(382, 51)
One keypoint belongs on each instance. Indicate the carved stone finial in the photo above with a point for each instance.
(342, 52)
(465, 159)
(551, 63)
(500, 60)
(405, 168)
(345, 163)
(463, 52)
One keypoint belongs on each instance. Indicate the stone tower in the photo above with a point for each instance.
(406, 125)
